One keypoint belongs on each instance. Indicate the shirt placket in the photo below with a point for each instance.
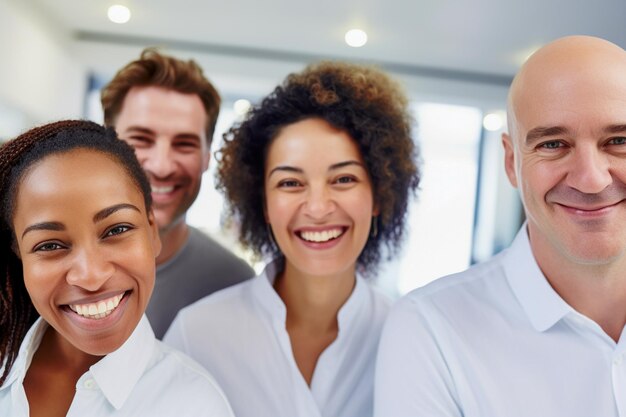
(304, 402)
(87, 399)
(618, 373)
(615, 353)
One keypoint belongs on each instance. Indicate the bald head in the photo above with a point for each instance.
(566, 151)
(571, 89)
(566, 69)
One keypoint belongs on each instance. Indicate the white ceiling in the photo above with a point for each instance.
(251, 44)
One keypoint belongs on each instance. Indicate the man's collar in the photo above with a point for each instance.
(541, 303)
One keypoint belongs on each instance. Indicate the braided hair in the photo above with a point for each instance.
(17, 312)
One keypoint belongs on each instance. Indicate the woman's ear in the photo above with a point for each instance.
(376, 209)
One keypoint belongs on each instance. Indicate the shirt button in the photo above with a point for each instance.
(90, 384)
(617, 361)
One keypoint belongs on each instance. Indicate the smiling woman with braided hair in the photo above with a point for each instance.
(78, 244)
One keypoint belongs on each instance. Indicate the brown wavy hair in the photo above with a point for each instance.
(362, 101)
(158, 70)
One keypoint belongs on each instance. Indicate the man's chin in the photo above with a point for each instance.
(597, 254)
(167, 222)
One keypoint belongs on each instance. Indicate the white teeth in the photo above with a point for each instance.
(322, 236)
(97, 310)
(162, 190)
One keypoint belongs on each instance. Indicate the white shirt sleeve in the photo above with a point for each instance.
(412, 377)
(204, 396)
(175, 336)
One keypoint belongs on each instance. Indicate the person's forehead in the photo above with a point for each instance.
(47, 184)
(568, 101)
(152, 98)
(162, 111)
(558, 88)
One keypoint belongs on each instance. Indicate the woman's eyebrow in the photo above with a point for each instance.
(339, 165)
(104, 213)
(286, 168)
(55, 226)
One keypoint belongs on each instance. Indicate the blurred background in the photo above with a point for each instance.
(455, 58)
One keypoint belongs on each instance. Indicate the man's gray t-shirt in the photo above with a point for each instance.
(200, 268)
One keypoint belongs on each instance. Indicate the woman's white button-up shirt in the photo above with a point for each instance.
(141, 378)
(239, 335)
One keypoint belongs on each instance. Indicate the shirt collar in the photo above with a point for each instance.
(118, 372)
(349, 311)
(271, 302)
(25, 355)
(543, 306)
(263, 290)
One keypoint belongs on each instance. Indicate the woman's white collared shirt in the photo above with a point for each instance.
(142, 378)
(239, 335)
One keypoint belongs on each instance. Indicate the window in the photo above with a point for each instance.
(439, 239)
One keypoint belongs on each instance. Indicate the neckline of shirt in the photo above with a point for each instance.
(541, 303)
(130, 360)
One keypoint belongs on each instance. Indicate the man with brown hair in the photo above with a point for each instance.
(166, 110)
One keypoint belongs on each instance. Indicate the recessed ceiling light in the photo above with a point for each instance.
(493, 121)
(118, 14)
(241, 107)
(356, 38)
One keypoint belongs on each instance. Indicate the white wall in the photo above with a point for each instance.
(40, 80)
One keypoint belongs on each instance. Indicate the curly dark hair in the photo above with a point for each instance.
(17, 312)
(360, 100)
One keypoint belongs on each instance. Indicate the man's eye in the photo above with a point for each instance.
(190, 144)
(553, 144)
(618, 141)
(139, 141)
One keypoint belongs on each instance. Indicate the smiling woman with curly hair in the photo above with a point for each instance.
(319, 177)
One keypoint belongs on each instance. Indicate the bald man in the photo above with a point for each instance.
(538, 329)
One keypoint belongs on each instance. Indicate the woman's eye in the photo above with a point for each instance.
(345, 180)
(47, 247)
(117, 230)
(289, 183)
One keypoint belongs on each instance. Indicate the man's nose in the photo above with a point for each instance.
(158, 160)
(590, 170)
